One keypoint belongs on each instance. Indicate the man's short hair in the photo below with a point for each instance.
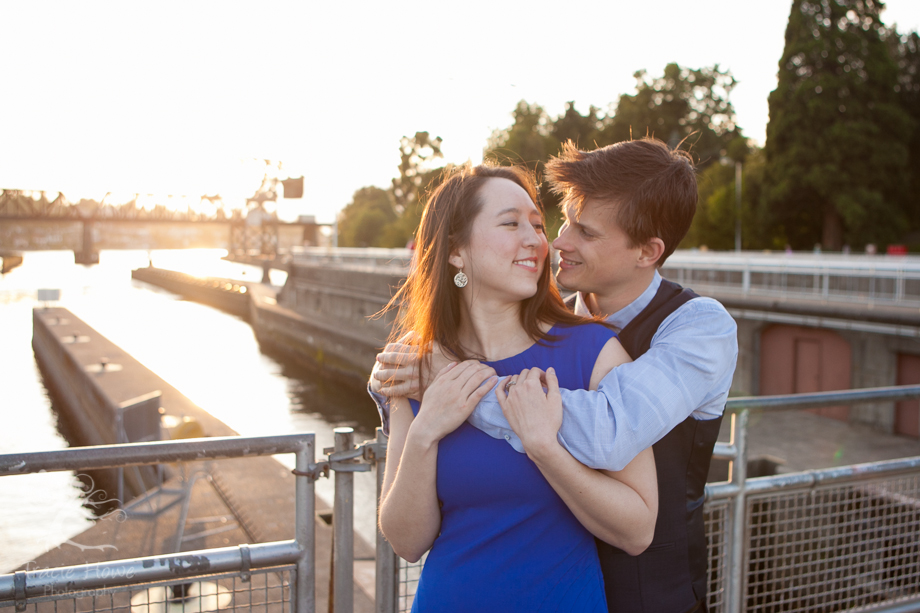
(651, 187)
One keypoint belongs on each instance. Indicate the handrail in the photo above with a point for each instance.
(159, 452)
(815, 400)
(23, 585)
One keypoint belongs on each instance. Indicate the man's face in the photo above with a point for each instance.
(595, 253)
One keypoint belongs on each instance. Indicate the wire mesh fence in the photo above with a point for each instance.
(834, 548)
(267, 590)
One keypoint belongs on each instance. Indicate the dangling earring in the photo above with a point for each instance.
(460, 279)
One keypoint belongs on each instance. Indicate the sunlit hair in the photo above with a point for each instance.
(429, 303)
(651, 187)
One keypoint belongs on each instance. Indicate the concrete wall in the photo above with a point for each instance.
(65, 350)
(325, 318)
(350, 295)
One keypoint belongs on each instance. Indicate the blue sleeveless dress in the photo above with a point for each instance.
(508, 542)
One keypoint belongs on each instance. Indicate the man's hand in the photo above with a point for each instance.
(451, 397)
(396, 371)
(533, 413)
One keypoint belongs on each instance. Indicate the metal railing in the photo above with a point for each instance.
(861, 279)
(845, 538)
(276, 576)
(373, 258)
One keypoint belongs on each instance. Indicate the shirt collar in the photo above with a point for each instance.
(621, 318)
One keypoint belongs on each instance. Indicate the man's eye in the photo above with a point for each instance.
(539, 227)
(510, 223)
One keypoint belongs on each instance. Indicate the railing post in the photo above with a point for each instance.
(386, 592)
(343, 565)
(735, 600)
(305, 529)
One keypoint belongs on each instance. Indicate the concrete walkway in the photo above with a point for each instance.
(804, 441)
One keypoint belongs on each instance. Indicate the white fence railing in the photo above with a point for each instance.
(860, 279)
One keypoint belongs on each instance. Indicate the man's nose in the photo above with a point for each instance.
(561, 242)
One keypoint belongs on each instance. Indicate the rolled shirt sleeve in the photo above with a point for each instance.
(383, 408)
(687, 371)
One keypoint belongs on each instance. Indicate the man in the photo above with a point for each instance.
(627, 207)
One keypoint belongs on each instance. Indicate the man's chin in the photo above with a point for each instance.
(565, 280)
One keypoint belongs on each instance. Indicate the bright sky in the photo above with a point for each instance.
(181, 97)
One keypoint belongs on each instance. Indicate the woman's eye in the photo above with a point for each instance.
(539, 227)
(510, 223)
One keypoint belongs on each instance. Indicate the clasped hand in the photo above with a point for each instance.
(451, 398)
(533, 411)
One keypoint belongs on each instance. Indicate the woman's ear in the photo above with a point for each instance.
(456, 260)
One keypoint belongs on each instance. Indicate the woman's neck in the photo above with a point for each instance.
(494, 331)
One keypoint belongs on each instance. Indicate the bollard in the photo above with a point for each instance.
(343, 566)
(386, 592)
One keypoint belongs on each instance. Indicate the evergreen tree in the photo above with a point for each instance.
(905, 50)
(837, 141)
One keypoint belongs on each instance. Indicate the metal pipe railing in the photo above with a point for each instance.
(345, 459)
(343, 536)
(118, 573)
(739, 487)
(158, 452)
(387, 563)
(23, 585)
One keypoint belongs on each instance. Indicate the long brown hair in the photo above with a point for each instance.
(429, 302)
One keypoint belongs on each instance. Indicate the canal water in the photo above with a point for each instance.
(211, 357)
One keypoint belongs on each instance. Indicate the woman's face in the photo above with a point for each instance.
(507, 248)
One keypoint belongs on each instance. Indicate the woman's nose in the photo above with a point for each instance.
(531, 236)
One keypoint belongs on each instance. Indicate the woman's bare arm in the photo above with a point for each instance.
(410, 516)
(619, 508)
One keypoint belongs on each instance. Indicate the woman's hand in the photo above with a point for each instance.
(451, 397)
(534, 414)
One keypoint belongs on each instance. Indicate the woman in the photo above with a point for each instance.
(507, 531)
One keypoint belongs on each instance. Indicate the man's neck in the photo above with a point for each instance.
(619, 297)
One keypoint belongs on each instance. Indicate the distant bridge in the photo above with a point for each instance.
(29, 221)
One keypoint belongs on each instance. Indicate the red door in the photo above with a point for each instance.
(798, 360)
(907, 412)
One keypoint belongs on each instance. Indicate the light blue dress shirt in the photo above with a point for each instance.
(687, 371)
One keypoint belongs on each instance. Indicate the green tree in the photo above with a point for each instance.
(905, 50)
(717, 210)
(411, 188)
(837, 141)
(526, 141)
(415, 153)
(529, 141)
(573, 126)
(684, 107)
(360, 223)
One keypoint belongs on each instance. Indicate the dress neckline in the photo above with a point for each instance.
(518, 356)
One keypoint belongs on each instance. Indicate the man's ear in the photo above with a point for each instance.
(651, 252)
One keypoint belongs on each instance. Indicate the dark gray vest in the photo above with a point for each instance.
(670, 576)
